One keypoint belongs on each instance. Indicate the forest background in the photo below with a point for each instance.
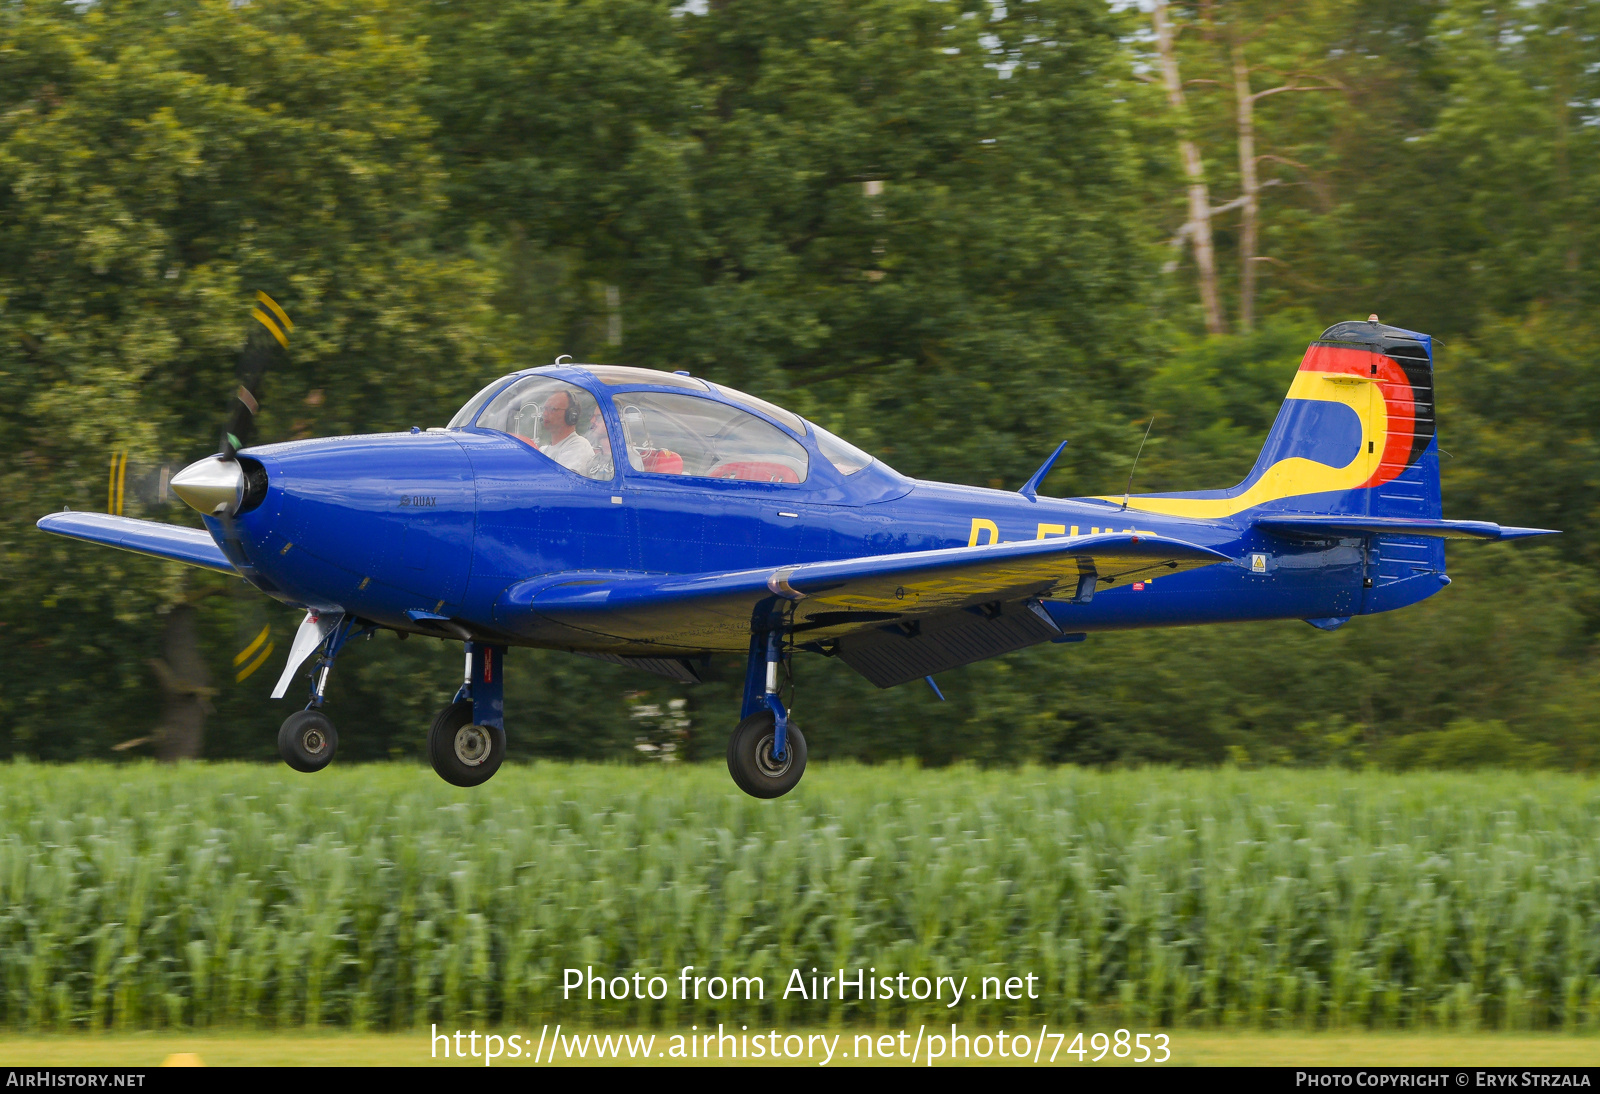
(953, 232)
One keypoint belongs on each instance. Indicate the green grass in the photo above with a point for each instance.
(377, 897)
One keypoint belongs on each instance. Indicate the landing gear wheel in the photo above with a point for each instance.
(751, 763)
(307, 740)
(462, 753)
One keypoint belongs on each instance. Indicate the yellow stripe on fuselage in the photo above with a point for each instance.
(1296, 476)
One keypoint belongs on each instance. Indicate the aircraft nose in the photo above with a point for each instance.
(214, 486)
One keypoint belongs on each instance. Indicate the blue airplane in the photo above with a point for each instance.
(655, 519)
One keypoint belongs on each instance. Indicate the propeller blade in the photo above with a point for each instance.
(267, 337)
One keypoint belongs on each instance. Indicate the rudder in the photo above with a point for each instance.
(1399, 430)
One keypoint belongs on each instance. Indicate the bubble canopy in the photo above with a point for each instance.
(689, 413)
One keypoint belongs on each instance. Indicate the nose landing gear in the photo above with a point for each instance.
(467, 741)
(307, 739)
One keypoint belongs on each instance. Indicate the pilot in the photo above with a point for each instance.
(566, 446)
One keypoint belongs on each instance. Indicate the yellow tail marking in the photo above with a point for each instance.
(1295, 476)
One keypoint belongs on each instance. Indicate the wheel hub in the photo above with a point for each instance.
(472, 745)
(313, 741)
(769, 765)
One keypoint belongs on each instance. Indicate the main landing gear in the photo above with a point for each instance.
(767, 752)
(467, 741)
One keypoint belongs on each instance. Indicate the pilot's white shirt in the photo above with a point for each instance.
(574, 453)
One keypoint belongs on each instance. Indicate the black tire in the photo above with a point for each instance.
(307, 740)
(464, 754)
(750, 759)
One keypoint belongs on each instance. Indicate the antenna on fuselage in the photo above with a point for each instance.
(1129, 488)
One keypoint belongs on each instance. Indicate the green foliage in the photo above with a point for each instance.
(1519, 405)
(930, 227)
(841, 207)
(156, 168)
(379, 898)
(1467, 744)
(1214, 401)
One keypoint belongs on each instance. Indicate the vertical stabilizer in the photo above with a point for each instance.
(1398, 452)
(1354, 437)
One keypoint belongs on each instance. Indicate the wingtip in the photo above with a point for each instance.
(1525, 533)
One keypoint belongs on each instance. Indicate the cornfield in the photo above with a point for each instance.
(378, 897)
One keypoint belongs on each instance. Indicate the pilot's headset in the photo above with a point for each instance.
(573, 415)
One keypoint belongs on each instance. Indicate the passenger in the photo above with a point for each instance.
(567, 447)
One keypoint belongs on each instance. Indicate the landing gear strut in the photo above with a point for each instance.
(767, 752)
(467, 741)
(307, 739)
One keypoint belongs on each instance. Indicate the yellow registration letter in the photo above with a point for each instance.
(981, 525)
(1051, 530)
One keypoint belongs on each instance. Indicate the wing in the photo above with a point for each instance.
(685, 613)
(191, 545)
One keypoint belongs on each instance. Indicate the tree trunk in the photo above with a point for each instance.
(186, 685)
(1248, 189)
(1199, 225)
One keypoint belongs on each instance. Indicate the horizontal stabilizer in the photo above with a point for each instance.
(1300, 524)
(146, 537)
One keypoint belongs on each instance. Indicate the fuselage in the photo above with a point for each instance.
(425, 531)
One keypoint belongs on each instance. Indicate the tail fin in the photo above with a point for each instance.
(1355, 437)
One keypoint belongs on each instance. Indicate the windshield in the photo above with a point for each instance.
(842, 454)
(465, 415)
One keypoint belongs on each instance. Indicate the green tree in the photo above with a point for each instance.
(857, 210)
(158, 164)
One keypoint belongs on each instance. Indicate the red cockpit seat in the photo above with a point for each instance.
(755, 471)
(661, 461)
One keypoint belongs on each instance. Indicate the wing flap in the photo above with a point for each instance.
(193, 546)
(909, 650)
(1299, 524)
(831, 599)
(673, 668)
